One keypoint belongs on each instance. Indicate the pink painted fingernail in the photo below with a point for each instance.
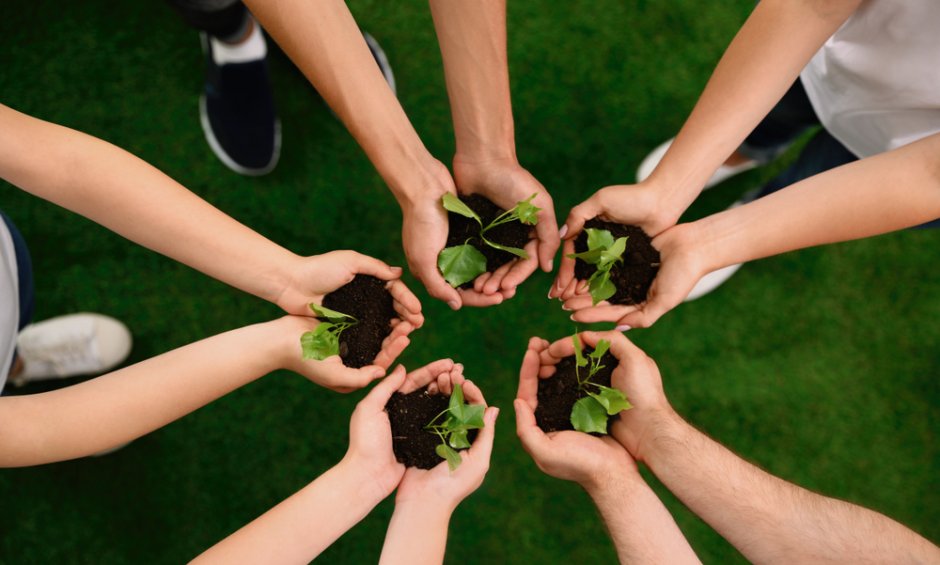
(623, 328)
(563, 231)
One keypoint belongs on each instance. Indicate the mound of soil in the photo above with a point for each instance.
(409, 414)
(558, 393)
(634, 276)
(512, 234)
(367, 300)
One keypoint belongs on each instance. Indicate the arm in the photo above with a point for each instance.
(641, 527)
(123, 405)
(768, 519)
(302, 526)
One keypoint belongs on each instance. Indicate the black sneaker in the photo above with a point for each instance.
(237, 110)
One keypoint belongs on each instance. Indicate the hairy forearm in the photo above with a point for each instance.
(123, 405)
(760, 64)
(768, 519)
(130, 197)
(472, 37)
(880, 194)
(417, 535)
(641, 527)
(323, 40)
(302, 526)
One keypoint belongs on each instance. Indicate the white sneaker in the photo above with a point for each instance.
(723, 173)
(714, 279)
(72, 345)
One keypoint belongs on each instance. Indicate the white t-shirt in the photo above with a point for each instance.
(9, 302)
(875, 84)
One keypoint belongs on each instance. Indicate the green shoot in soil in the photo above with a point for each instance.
(603, 252)
(323, 340)
(463, 263)
(461, 418)
(590, 414)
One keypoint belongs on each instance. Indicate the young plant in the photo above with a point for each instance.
(603, 252)
(590, 414)
(463, 263)
(461, 418)
(323, 340)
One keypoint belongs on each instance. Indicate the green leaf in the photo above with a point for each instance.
(600, 287)
(456, 403)
(613, 253)
(613, 400)
(599, 239)
(456, 205)
(587, 415)
(458, 439)
(473, 416)
(592, 256)
(321, 342)
(452, 457)
(578, 356)
(527, 212)
(599, 351)
(460, 264)
(331, 315)
(514, 250)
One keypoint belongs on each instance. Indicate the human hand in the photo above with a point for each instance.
(682, 265)
(441, 488)
(570, 455)
(506, 183)
(636, 204)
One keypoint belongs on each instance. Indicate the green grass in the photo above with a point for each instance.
(821, 366)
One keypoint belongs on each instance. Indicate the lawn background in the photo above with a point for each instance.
(821, 365)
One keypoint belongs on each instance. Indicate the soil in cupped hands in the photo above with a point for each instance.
(367, 300)
(558, 393)
(634, 276)
(408, 414)
(462, 229)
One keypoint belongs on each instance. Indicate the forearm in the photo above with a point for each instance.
(760, 64)
(641, 527)
(130, 197)
(880, 194)
(472, 37)
(417, 535)
(770, 520)
(302, 526)
(115, 408)
(323, 40)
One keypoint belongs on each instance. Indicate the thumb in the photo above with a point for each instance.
(379, 395)
(578, 215)
(483, 446)
(363, 264)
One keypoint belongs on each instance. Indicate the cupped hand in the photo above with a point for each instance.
(633, 204)
(505, 183)
(568, 455)
(682, 265)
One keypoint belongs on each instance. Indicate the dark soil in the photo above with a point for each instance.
(558, 393)
(409, 414)
(367, 300)
(512, 234)
(634, 276)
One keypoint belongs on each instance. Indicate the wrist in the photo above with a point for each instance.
(663, 430)
(423, 179)
(271, 344)
(369, 490)
(427, 509)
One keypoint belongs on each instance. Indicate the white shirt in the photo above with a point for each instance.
(9, 302)
(875, 84)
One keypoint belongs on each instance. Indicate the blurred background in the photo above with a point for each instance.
(820, 366)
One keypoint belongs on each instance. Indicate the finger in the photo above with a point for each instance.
(647, 315)
(430, 277)
(471, 392)
(537, 344)
(389, 353)
(565, 270)
(521, 270)
(582, 287)
(419, 378)
(363, 264)
(561, 348)
(581, 213)
(580, 302)
(493, 284)
(546, 371)
(380, 393)
(480, 282)
(477, 300)
(547, 231)
(608, 313)
(569, 291)
(528, 378)
(445, 384)
(404, 297)
(482, 446)
(533, 439)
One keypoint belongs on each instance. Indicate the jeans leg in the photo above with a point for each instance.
(791, 116)
(24, 270)
(823, 152)
(219, 18)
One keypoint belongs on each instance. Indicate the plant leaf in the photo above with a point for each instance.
(460, 264)
(320, 343)
(514, 250)
(578, 356)
(456, 405)
(527, 212)
(456, 205)
(458, 439)
(452, 457)
(600, 286)
(592, 256)
(331, 315)
(473, 416)
(599, 351)
(613, 253)
(613, 400)
(599, 239)
(587, 415)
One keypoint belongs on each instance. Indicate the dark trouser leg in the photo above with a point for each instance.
(223, 19)
(823, 152)
(792, 116)
(24, 270)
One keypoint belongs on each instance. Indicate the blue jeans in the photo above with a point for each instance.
(24, 271)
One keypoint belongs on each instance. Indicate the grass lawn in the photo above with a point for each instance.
(821, 366)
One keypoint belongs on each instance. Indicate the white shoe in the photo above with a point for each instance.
(714, 279)
(723, 173)
(72, 345)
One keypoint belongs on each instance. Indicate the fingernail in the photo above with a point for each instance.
(563, 231)
(454, 305)
(571, 317)
(495, 414)
(551, 265)
(550, 293)
(565, 308)
(623, 328)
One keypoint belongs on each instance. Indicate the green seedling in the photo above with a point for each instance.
(463, 263)
(590, 414)
(460, 418)
(603, 252)
(323, 340)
